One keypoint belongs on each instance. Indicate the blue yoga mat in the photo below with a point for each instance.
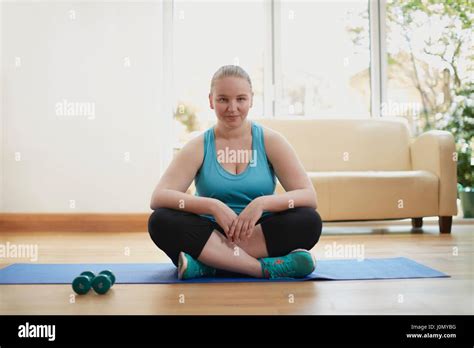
(166, 273)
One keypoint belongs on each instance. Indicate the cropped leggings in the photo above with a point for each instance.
(174, 231)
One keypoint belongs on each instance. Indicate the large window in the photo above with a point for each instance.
(313, 58)
(325, 59)
(430, 51)
(334, 58)
(305, 58)
(208, 35)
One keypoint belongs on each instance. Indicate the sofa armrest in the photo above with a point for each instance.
(435, 151)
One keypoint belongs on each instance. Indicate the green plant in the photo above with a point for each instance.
(186, 114)
(459, 121)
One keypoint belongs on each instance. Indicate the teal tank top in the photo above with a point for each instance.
(235, 190)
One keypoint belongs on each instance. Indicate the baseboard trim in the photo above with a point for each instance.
(79, 222)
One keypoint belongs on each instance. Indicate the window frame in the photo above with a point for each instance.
(378, 57)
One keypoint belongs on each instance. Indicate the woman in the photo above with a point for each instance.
(235, 223)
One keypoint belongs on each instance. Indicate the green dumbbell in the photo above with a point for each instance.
(82, 284)
(103, 282)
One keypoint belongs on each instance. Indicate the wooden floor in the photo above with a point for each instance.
(449, 253)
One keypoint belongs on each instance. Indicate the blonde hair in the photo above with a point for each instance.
(230, 70)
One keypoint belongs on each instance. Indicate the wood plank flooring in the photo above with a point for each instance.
(449, 253)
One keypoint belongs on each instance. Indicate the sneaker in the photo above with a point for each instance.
(189, 268)
(297, 264)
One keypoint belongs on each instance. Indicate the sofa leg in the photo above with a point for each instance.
(417, 222)
(445, 223)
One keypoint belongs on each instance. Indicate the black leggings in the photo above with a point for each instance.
(174, 231)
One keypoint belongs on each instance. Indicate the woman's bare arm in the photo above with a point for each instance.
(290, 173)
(170, 191)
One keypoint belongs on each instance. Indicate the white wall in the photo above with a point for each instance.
(77, 51)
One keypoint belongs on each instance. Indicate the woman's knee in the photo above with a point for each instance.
(310, 225)
(154, 219)
(158, 223)
(174, 230)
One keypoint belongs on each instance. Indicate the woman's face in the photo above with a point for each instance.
(231, 99)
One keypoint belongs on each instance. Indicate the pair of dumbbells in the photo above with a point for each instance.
(100, 283)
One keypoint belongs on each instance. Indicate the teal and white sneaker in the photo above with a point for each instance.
(189, 268)
(297, 264)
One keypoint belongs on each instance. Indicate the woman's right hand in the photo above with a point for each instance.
(223, 215)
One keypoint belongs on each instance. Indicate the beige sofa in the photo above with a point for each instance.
(372, 169)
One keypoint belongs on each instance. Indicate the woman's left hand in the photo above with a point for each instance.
(243, 226)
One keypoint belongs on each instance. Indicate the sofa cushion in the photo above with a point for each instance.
(365, 195)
